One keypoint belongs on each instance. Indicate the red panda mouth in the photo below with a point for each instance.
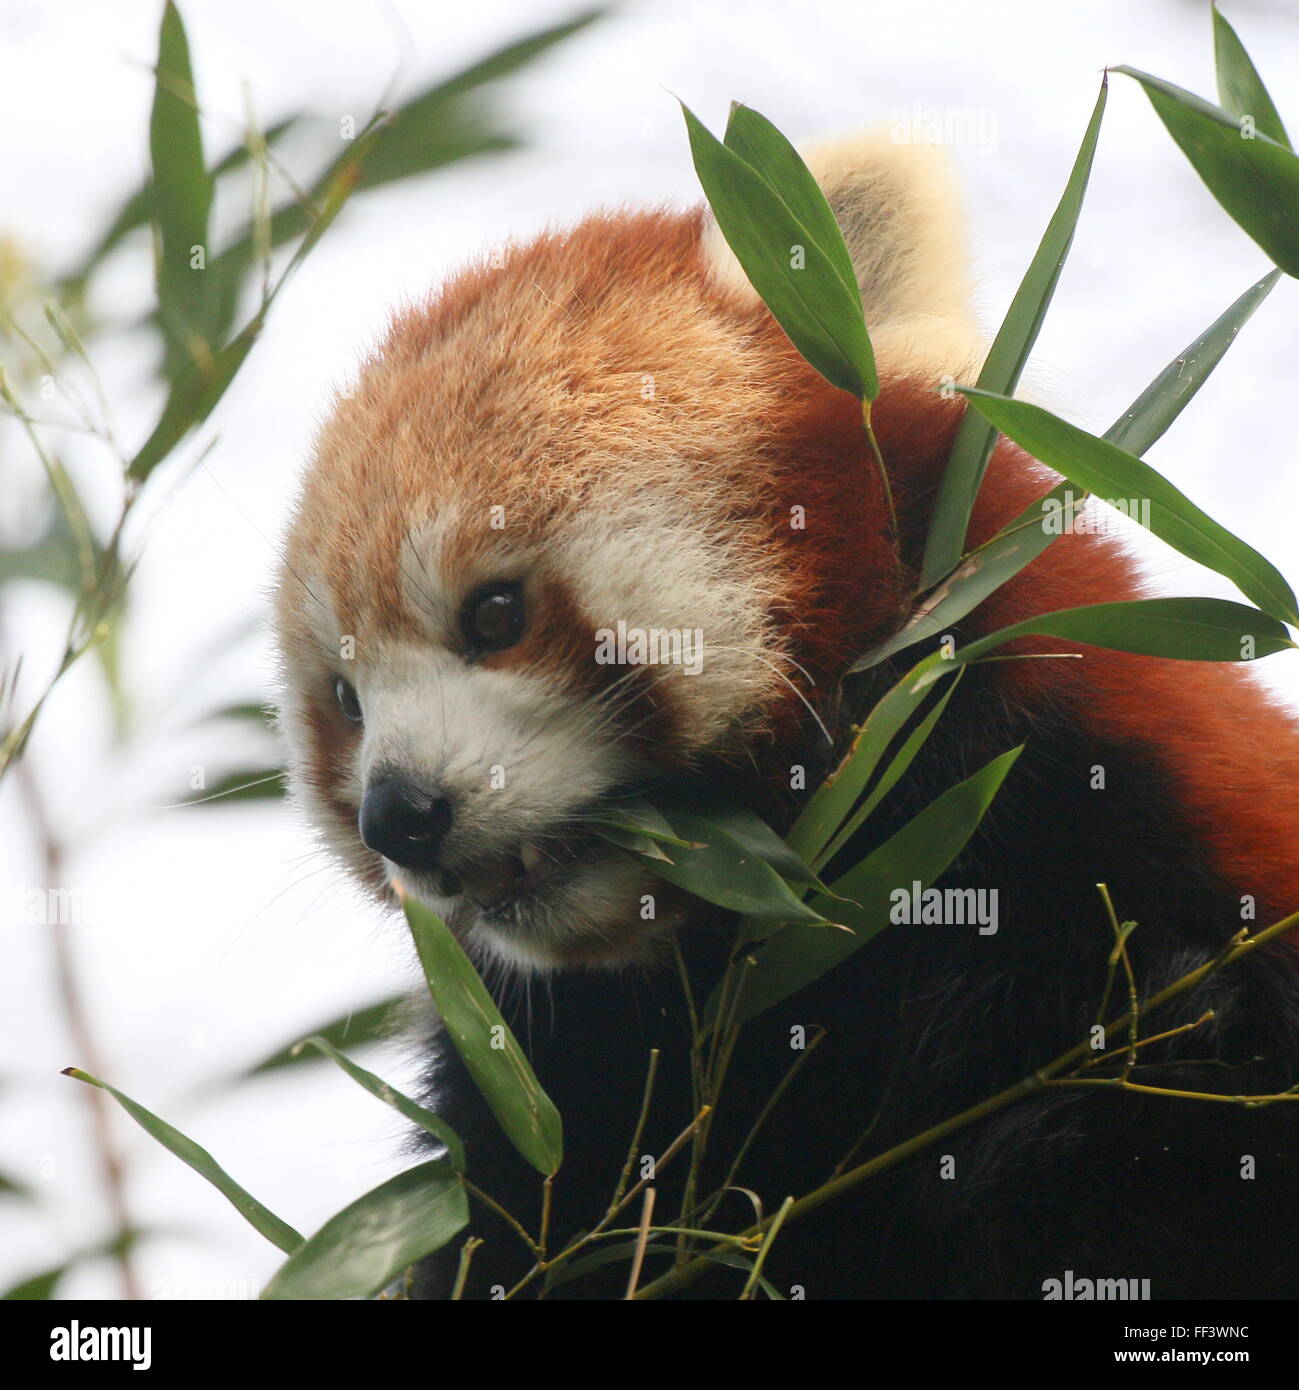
(495, 886)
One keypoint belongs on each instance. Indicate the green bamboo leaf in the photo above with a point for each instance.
(632, 841)
(1110, 472)
(920, 852)
(820, 314)
(1022, 540)
(1155, 409)
(194, 395)
(753, 137)
(1179, 629)
(1005, 361)
(12, 1187)
(437, 127)
(1256, 180)
(265, 1222)
(729, 873)
(835, 798)
(891, 775)
(371, 1241)
(751, 834)
(182, 187)
(37, 1288)
(1240, 88)
(136, 210)
(390, 1095)
(373, 1023)
(638, 817)
(494, 1058)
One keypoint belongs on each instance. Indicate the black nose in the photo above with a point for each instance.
(404, 823)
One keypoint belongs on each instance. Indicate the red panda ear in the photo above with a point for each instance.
(900, 209)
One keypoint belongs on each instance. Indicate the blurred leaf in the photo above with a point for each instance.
(437, 127)
(258, 1217)
(248, 784)
(194, 395)
(1005, 361)
(1256, 180)
(38, 1287)
(1180, 629)
(356, 1252)
(1021, 541)
(489, 1050)
(1240, 88)
(244, 712)
(41, 1287)
(50, 558)
(182, 189)
(12, 1187)
(920, 852)
(1108, 471)
(821, 315)
(373, 1023)
(381, 1090)
(137, 210)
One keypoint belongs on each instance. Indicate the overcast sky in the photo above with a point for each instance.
(214, 936)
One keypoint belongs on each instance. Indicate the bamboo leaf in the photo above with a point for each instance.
(753, 137)
(891, 775)
(639, 817)
(371, 1241)
(835, 798)
(730, 873)
(1180, 629)
(1255, 179)
(182, 187)
(820, 314)
(373, 1023)
(1005, 361)
(1240, 88)
(194, 395)
(1155, 409)
(265, 1222)
(490, 1051)
(1022, 540)
(920, 852)
(390, 1095)
(1108, 471)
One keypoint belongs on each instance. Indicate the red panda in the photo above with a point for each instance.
(606, 425)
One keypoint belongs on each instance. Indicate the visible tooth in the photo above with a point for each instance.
(532, 857)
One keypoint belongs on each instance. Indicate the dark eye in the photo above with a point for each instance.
(348, 701)
(493, 617)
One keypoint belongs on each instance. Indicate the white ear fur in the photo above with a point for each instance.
(899, 207)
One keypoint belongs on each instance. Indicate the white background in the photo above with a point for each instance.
(213, 936)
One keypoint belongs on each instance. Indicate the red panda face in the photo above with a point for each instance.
(584, 519)
(531, 567)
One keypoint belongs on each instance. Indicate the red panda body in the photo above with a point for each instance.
(606, 426)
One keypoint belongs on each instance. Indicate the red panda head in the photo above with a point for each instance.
(586, 518)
